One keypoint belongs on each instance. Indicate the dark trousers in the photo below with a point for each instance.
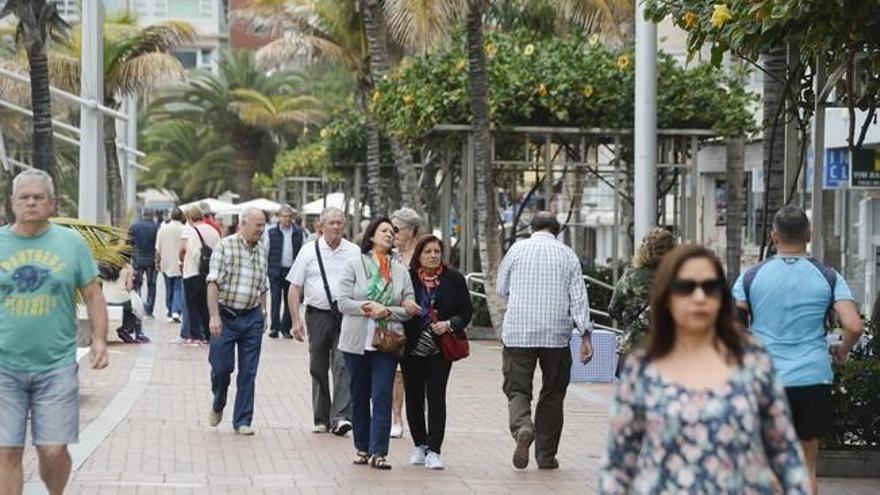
(244, 331)
(324, 328)
(426, 378)
(372, 381)
(518, 364)
(197, 306)
(130, 322)
(150, 272)
(184, 315)
(173, 295)
(278, 289)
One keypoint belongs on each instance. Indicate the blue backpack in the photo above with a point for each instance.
(826, 271)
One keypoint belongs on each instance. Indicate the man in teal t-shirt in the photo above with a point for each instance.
(787, 300)
(42, 266)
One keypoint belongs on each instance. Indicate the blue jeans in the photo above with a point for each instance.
(244, 330)
(173, 295)
(51, 398)
(184, 315)
(150, 300)
(372, 379)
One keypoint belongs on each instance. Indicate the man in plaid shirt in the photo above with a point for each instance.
(546, 299)
(237, 285)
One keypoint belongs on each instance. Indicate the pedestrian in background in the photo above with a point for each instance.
(788, 297)
(237, 286)
(315, 277)
(445, 307)
(143, 237)
(375, 295)
(700, 409)
(42, 267)
(283, 242)
(631, 301)
(407, 224)
(195, 238)
(546, 300)
(168, 241)
(210, 218)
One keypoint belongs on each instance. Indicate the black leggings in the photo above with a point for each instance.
(426, 378)
(196, 293)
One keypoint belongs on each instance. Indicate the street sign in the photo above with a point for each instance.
(865, 169)
(836, 172)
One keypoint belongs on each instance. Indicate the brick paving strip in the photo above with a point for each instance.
(151, 435)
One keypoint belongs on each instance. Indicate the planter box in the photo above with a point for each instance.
(848, 464)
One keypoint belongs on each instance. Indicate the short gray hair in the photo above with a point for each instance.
(791, 225)
(331, 210)
(34, 175)
(288, 208)
(409, 217)
(247, 212)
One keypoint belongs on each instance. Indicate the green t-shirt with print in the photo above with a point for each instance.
(39, 278)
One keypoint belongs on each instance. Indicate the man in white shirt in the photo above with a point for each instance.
(323, 319)
(194, 236)
(168, 262)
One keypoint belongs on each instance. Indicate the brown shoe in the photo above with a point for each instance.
(524, 438)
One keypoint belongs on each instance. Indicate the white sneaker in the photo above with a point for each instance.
(396, 430)
(433, 461)
(418, 455)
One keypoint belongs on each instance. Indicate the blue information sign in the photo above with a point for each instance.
(836, 172)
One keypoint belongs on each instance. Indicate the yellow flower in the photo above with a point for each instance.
(325, 133)
(376, 95)
(720, 15)
(690, 20)
(491, 50)
(593, 39)
(623, 62)
(385, 78)
(529, 49)
(408, 99)
(542, 90)
(588, 91)
(461, 65)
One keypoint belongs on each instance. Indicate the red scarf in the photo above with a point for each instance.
(430, 282)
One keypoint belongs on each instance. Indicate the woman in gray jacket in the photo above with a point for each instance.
(375, 292)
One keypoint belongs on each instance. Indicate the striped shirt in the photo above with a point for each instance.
(546, 296)
(240, 272)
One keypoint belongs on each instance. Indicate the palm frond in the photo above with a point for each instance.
(143, 72)
(421, 24)
(103, 240)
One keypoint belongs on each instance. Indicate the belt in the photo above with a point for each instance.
(235, 313)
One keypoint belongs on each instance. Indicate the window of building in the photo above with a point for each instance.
(206, 8)
(189, 59)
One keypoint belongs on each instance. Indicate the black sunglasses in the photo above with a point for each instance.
(395, 229)
(685, 287)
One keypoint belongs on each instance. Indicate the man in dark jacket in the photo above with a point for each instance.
(143, 237)
(284, 241)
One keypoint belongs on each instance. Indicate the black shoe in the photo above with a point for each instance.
(524, 438)
(273, 334)
(341, 428)
(287, 335)
(551, 464)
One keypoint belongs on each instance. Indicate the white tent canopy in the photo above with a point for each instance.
(335, 200)
(215, 204)
(260, 204)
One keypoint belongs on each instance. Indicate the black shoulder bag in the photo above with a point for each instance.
(334, 308)
(204, 254)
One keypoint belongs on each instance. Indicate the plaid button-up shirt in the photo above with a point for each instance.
(546, 295)
(240, 272)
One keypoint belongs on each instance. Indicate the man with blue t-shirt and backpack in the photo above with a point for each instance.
(788, 297)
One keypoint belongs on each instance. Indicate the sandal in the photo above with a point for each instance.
(379, 462)
(361, 458)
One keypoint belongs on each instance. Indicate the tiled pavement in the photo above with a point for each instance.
(144, 432)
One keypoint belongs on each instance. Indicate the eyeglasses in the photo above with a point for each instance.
(36, 198)
(685, 287)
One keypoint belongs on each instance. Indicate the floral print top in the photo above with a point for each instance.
(736, 438)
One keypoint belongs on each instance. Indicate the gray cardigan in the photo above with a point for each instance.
(353, 294)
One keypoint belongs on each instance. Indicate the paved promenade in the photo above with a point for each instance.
(144, 431)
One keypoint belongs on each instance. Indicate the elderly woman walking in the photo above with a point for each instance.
(375, 296)
(407, 224)
(443, 298)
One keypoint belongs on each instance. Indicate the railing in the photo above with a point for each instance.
(480, 279)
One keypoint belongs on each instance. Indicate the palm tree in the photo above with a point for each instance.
(233, 102)
(187, 156)
(38, 21)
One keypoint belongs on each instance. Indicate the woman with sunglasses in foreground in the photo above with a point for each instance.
(699, 409)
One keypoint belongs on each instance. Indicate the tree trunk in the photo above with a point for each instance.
(380, 65)
(41, 104)
(245, 168)
(375, 195)
(774, 138)
(735, 205)
(489, 234)
(115, 191)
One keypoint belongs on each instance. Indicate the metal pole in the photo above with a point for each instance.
(131, 172)
(548, 174)
(694, 174)
(446, 204)
(615, 228)
(818, 135)
(92, 165)
(357, 198)
(645, 125)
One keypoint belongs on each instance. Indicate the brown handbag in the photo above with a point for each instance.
(389, 341)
